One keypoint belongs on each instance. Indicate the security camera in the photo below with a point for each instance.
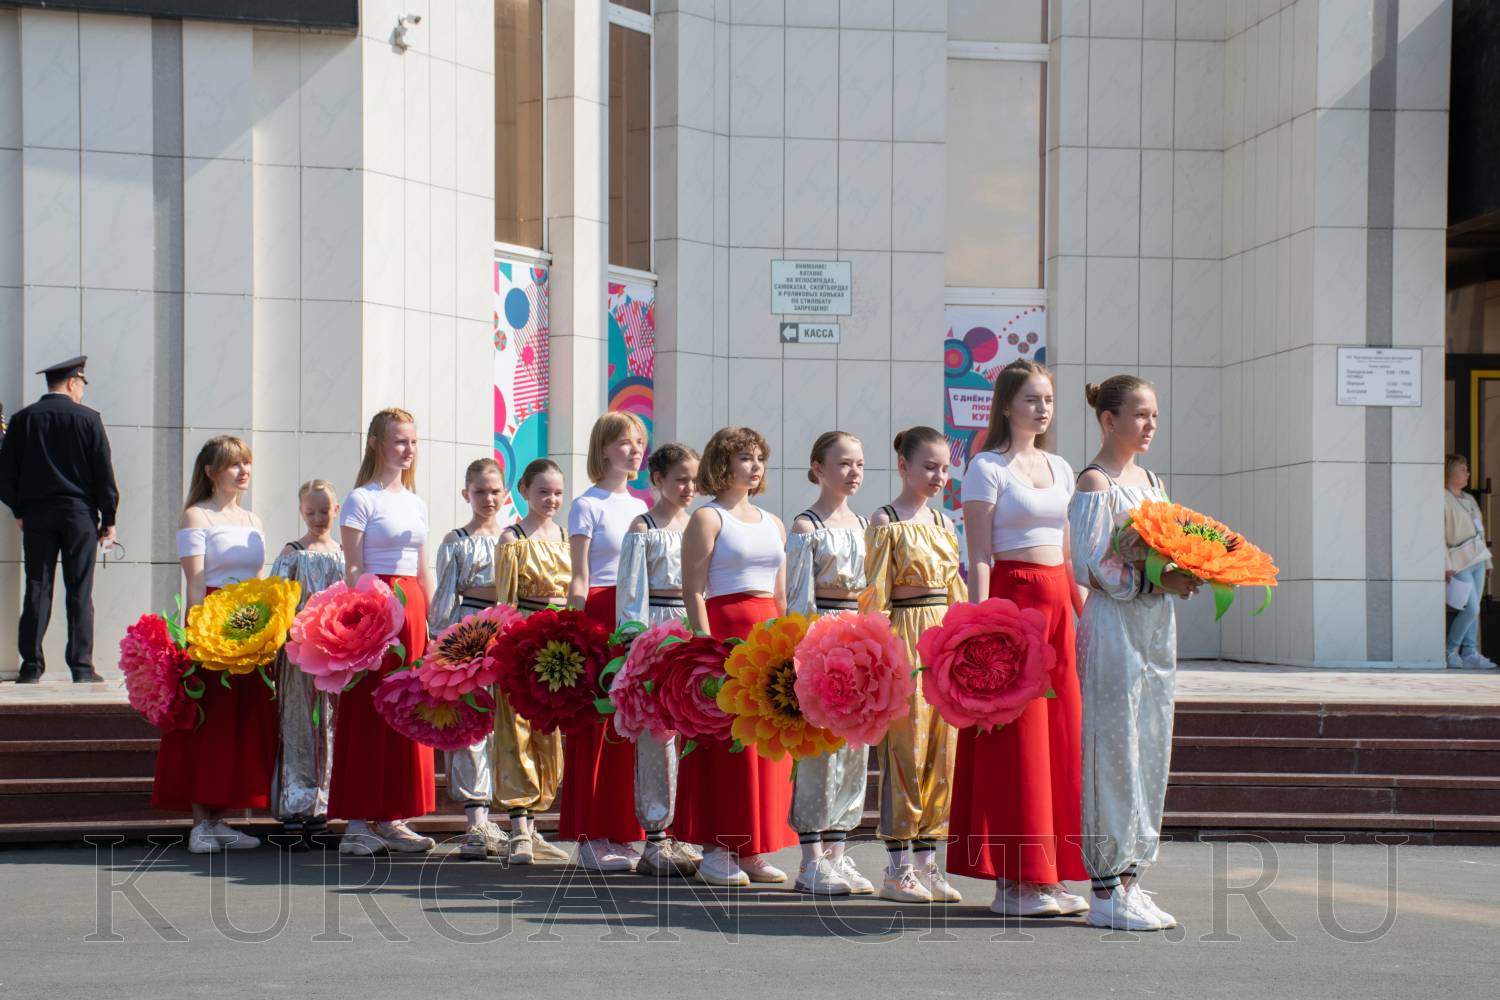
(404, 23)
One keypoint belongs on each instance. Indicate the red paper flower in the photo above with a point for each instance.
(153, 666)
(689, 675)
(550, 665)
(458, 660)
(986, 662)
(408, 708)
(853, 676)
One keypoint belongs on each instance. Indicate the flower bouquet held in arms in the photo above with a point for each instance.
(668, 686)
(240, 628)
(551, 667)
(411, 709)
(157, 668)
(344, 631)
(760, 692)
(1168, 536)
(854, 677)
(986, 662)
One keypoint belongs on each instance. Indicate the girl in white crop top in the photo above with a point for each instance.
(219, 543)
(1015, 516)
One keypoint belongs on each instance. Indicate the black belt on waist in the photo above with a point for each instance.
(924, 601)
(667, 602)
(836, 604)
(536, 603)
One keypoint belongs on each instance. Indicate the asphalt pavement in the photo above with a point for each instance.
(1258, 920)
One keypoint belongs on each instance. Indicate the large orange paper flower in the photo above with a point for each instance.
(759, 693)
(1197, 544)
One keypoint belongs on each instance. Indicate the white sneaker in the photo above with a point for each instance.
(360, 840)
(761, 870)
(1478, 661)
(1145, 903)
(1119, 912)
(202, 839)
(1067, 904)
(403, 839)
(627, 850)
(662, 858)
(482, 841)
(818, 877)
(232, 839)
(602, 856)
(936, 883)
(858, 884)
(1456, 662)
(1023, 899)
(903, 886)
(693, 851)
(543, 849)
(718, 867)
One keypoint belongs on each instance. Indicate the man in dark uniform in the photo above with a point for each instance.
(56, 477)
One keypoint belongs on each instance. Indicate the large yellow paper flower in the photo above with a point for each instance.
(758, 692)
(243, 626)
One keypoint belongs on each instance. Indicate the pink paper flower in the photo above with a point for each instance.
(986, 662)
(407, 707)
(690, 675)
(458, 661)
(853, 676)
(343, 631)
(153, 666)
(637, 709)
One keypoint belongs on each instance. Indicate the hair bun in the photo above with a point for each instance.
(1091, 393)
(896, 444)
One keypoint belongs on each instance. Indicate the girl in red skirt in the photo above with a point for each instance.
(733, 576)
(381, 778)
(226, 761)
(598, 789)
(1017, 790)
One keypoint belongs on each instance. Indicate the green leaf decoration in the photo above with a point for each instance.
(400, 594)
(688, 748)
(317, 710)
(1263, 604)
(607, 675)
(648, 685)
(1156, 565)
(399, 650)
(1051, 693)
(356, 679)
(605, 706)
(734, 641)
(224, 679)
(736, 747)
(627, 631)
(1223, 598)
(263, 676)
(192, 691)
(669, 640)
(712, 686)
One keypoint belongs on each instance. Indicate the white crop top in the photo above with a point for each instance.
(395, 527)
(603, 518)
(1025, 516)
(231, 553)
(745, 557)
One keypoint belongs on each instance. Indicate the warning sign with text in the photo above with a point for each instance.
(811, 287)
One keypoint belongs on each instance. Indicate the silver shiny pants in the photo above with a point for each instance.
(1127, 667)
(655, 761)
(471, 780)
(829, 791)
(299, 785)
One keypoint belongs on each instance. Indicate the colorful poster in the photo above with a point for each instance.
(632, 359)
(981, 340)
(521, 374)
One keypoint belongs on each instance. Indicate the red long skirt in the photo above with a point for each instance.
(1017, 790)
(598, 786)
(737, 801)
(378, 774)
(226, 761)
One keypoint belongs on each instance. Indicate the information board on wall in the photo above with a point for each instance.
(812, 287)
(1380, 376)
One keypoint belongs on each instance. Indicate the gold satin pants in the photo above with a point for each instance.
(916, 757)
(528, 764)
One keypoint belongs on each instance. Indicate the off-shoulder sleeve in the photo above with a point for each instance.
(1096, 565)
(285, 566)
(192, 542)
(879, 549)
(508, 572)
(801, 582)
(633, 583)
(445, 592)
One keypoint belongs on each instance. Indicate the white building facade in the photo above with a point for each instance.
(513, 214)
